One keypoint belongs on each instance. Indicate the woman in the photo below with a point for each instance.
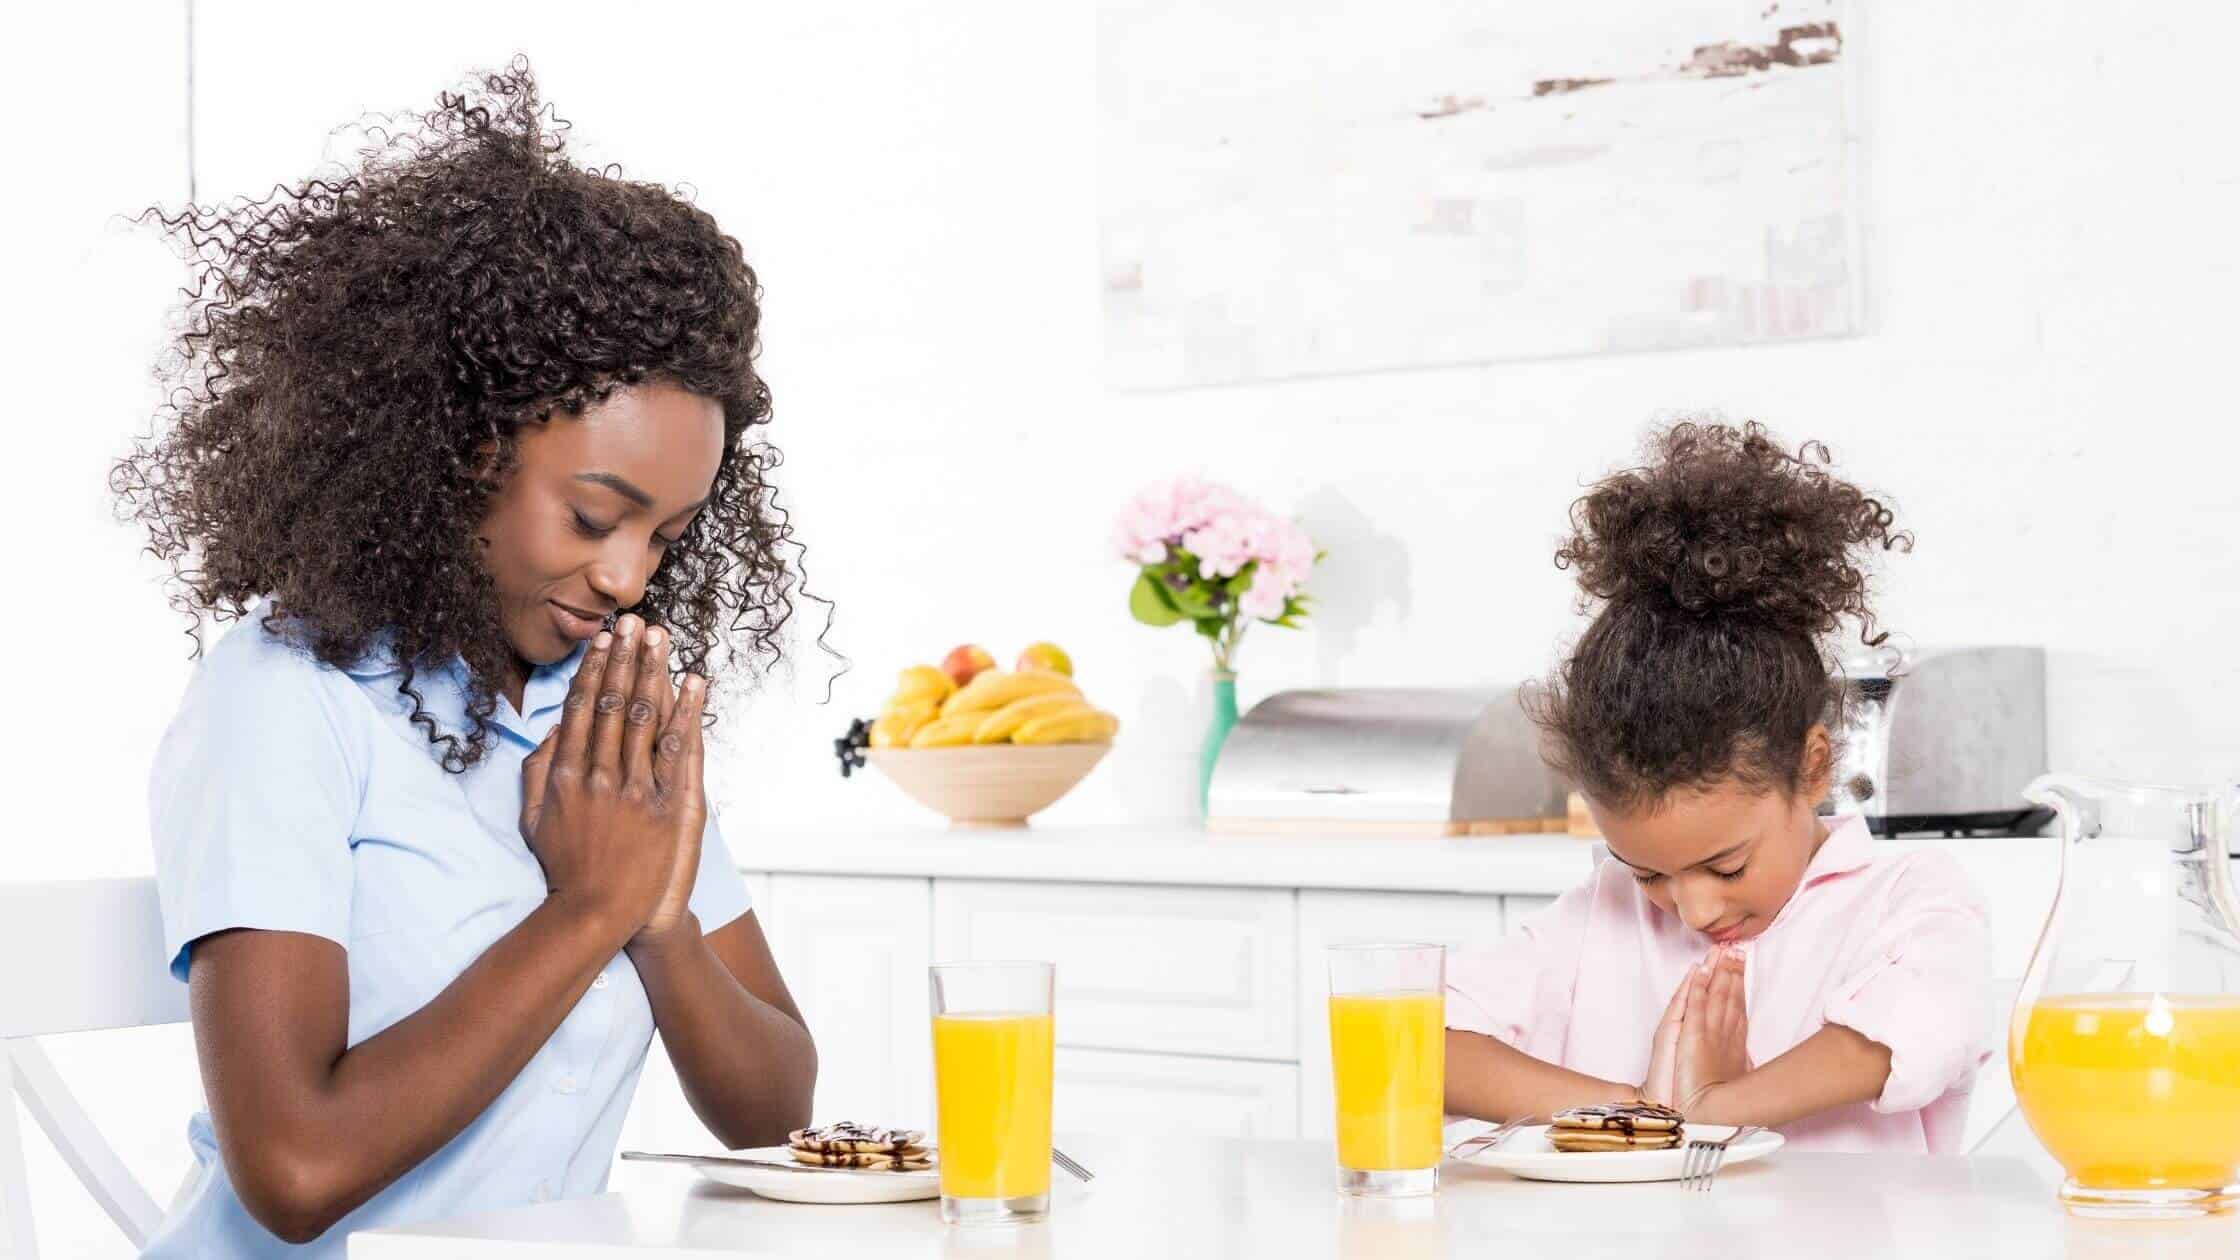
(466, 442)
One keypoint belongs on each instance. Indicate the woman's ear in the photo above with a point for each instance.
(1817, 764)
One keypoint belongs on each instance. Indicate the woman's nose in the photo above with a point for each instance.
(621, 574)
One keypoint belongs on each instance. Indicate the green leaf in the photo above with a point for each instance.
(1148, 602)
(1211, 627)
(1242, 581)
(1193, 600)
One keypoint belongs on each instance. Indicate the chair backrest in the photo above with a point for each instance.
(84, 955)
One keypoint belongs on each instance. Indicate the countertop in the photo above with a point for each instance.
(1180, 853)
(1191, 1197)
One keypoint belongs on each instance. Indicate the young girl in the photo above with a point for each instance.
(1738, 957)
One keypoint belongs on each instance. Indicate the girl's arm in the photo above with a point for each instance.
(1491, 1080)
(1831, 1068)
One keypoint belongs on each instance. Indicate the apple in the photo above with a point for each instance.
(964, 662)
(1047, 656)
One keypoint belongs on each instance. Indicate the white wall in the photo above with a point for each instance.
(2049, 198)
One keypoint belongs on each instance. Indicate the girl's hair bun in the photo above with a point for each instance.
(1721, 521)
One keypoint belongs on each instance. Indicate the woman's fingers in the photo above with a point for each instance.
(535, 772)
(642, 718)
(613, 698)
(583, 694)
(677, 756)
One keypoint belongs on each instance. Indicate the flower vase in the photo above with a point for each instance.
(1217, 732)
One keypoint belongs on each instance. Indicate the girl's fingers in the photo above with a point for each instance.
(583, 693)
(642, 717)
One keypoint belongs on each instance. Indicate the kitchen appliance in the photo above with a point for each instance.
(1943, 741)
(1390, 760)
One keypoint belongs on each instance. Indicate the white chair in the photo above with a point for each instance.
(88, 955)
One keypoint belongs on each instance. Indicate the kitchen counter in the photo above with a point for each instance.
(1185, 1197)
(1179, 853)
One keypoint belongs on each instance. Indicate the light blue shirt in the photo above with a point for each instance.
(292, 796)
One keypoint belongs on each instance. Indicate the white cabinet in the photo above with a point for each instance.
(1329, 918)
(1197, 971)
(854, 951)
(1103, 1091)
(1187, 1008)
(1515, 910)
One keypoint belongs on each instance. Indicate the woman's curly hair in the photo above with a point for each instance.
(1723, 567)
(358, 356)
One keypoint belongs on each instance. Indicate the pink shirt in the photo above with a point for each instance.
(1894, 945)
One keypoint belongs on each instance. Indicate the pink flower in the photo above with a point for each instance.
(1264, 599)
(1224, 544)
(1165, 512)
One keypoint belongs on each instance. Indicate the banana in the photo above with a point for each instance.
(922, 681)
(894, 728)
(1067, 727)
(924, 708)
(999, 726)
(994, 688)
(946, 732)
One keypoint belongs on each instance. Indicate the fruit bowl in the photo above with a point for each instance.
(988, 785)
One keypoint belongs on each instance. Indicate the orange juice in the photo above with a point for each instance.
(992, 1087)
(2133, 1091)
(1388, 1058)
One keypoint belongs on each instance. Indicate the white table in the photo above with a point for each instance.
(1223, 1197)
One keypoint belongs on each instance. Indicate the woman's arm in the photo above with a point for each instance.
(740, 1047)
(1492, 1080)
(311, 1126)
(310, 1130)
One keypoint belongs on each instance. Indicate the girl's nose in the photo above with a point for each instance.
(1699, 906)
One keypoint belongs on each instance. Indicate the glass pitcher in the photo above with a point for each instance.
(2125, 1041)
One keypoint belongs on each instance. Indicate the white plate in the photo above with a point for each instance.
(821, 1185)
(1526, 1153)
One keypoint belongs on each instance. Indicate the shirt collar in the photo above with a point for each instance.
(547, 687)
(1849, 846)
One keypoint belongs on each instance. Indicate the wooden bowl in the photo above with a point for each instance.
(988, 785)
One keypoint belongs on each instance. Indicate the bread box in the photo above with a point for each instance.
(1389, 760)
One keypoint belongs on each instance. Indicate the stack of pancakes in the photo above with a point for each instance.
(1639, 1125)
(851, 1145)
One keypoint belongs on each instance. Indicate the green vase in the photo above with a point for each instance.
(1217, 732)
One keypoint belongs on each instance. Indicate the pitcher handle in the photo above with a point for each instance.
(2074, 800)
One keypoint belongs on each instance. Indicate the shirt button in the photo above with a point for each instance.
(601, 982)
(566, 1084)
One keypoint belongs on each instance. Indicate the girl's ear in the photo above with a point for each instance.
(1817, 767)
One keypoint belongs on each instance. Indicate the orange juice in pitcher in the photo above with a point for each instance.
(2133, 1091)
(2125, 1042)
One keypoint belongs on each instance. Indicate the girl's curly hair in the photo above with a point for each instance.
(1723, 567)
(359, 355)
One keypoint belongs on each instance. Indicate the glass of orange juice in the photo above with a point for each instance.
(992, 1047)
(1388, 1063)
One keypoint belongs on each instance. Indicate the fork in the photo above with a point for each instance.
(1070, 1164)
(1701, 1161)
(1486, 1141)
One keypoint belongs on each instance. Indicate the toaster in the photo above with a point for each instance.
(1942, 742)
